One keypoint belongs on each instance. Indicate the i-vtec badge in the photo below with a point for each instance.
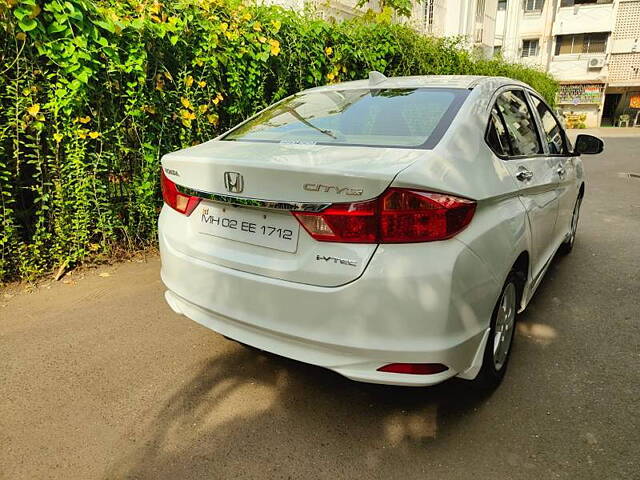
(341, 261)
(318, 187)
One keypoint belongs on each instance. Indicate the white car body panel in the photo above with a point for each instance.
(416, 303)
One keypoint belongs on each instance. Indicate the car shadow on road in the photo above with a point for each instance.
(250, 413)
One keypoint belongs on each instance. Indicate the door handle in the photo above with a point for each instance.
(561, 171)
(524, 174)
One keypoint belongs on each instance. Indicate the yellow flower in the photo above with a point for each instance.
(202, 84)
(276, 24)
(21, 36)
(82, 133)
(213, 119)
(246, 16)
(188, 81)
(187, 115)
(185, 103)
(86, 119)
(257, 27)
(203, 108)
(34, 109)
(218, 99)
(330, 76)
(328, 50)
(224, 26)
(94, 135)
(57, 137)
(155, 7)
(275, 47)
(262, 39)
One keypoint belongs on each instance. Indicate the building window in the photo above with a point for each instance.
(530, 48)
(571, 3)
(581, 43)
(502, 4)
(533, 5)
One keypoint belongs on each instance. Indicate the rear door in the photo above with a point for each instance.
(563, 164)
(532, 171)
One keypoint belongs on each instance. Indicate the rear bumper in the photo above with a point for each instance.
(412, 304)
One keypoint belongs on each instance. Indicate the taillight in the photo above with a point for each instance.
(178, 201)
(397, 216)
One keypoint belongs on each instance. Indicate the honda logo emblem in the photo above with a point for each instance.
(233, 182)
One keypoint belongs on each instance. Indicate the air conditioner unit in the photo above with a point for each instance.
(597, 62)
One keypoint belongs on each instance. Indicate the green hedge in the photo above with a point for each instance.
(91, 95)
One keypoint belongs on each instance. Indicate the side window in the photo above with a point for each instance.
(521, 127)
(497, 137)
(554, 135)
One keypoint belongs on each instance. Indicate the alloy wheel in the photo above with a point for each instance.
(505, 322)
(574, 221)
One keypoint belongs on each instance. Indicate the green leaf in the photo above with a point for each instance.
(27, 24)
(21, 12)
(106, 24)
(56, 27)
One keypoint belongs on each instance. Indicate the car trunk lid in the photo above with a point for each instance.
(264, 181)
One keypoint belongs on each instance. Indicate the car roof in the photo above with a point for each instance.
(419, 81)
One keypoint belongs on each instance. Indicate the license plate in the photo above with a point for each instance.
(266, 229)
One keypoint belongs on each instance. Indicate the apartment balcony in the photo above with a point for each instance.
(584, 18)
(580, 67)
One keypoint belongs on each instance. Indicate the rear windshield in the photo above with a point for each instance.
(409, 118)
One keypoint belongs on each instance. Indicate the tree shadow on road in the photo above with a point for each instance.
(247, 413)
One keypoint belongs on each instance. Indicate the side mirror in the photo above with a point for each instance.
(588, 144)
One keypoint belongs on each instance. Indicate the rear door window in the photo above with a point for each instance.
(520, 124)
(497, 136)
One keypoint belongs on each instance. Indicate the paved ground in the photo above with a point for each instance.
(99, 379)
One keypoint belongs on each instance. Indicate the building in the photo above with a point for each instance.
(472, 20)
(591, 46)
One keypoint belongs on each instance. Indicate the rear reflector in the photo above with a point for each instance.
(414, 368)
(397, 216)
(176, 200)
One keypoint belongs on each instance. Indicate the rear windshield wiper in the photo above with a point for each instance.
(293, 112)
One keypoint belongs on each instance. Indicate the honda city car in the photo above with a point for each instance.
(388, 229)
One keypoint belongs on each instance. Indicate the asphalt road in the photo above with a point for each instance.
(100, 379)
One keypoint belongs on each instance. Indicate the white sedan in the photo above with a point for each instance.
(388, 229)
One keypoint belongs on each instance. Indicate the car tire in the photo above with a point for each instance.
(567, 246)
(500, 341)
